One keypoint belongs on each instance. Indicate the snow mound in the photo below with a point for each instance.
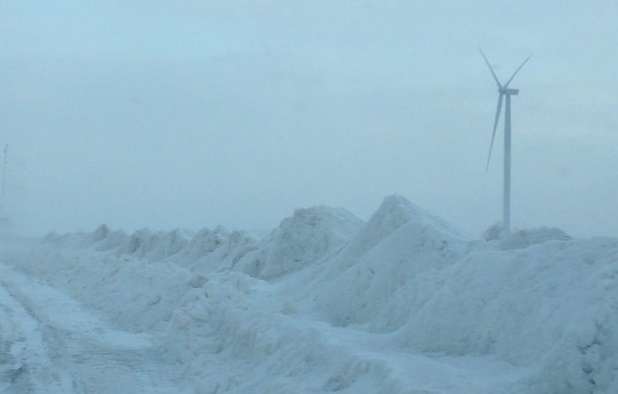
(394, 213)
(233, 316)
(521, 239)
(554, 305)
(204, 243)
(143, 243)
(153, 246)
(326, 303)
(304, 238)
(216, 250)
(103, 238)
(368, 282)
(206, 250)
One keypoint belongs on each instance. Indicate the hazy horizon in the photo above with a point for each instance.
(195, 114)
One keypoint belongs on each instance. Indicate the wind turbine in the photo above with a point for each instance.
(504, 92)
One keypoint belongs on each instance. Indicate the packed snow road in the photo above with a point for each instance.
(49, 343)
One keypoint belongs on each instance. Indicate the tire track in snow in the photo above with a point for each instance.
(26, 365)
(68, 350)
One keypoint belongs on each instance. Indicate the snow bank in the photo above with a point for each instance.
(137, 295)
(328, 303)
(554, 304)
(239, 335)
(207, 250)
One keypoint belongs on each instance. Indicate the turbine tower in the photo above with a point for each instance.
(504, 93)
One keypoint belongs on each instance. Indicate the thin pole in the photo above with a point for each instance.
(506, 217)
(2, 202)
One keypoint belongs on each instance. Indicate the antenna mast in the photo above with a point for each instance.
(3, 215)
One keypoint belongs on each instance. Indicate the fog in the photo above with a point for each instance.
(201, 113)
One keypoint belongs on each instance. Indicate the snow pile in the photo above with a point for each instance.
(554, 305)
(370, 280)
(403, 303)
(242, 320)
(524, 238)
(137, 295)
(211, 251)
(303, 239)
(144, 244)
(179, 245)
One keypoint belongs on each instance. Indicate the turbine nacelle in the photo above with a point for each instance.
(510, 92)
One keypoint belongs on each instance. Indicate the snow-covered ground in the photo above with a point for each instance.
(403, 303)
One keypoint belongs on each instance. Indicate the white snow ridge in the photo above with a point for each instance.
(400, 304)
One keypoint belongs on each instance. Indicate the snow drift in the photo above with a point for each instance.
(402, 303)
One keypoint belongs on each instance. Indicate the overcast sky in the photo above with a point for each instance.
(190, 114)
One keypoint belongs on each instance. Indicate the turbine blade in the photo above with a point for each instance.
(491, 69)
(516, 71)
(493, 133)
